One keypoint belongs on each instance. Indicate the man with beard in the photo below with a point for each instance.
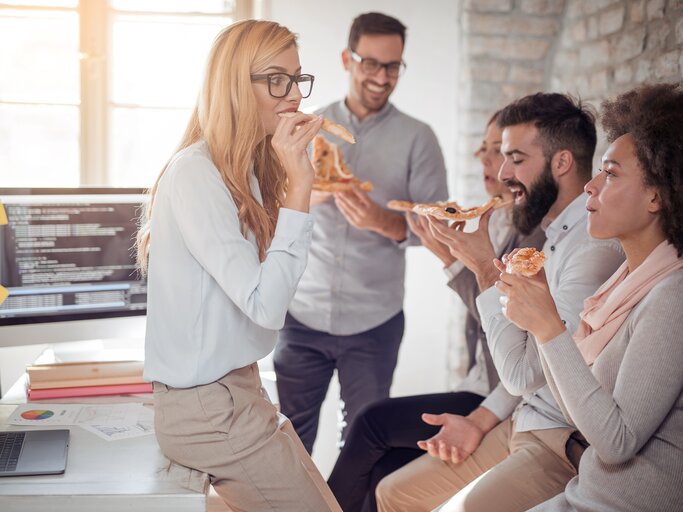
(347, 312)
(497, 459)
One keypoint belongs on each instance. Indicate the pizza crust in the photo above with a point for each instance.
(525, 262)
(338, 130)
(409, 206)
(400, 206)
(341, 186)
(451, 211)
(330, 127)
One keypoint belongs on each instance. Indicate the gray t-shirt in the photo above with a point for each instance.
(354, 279)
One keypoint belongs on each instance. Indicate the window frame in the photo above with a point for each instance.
(96, 18)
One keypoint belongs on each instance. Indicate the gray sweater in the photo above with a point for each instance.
(629, 406)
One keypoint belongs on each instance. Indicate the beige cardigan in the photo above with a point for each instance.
(629, 406)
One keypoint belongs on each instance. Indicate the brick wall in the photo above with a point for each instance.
(610, 46)
(505, 52)
(506, 46)
(590, 48)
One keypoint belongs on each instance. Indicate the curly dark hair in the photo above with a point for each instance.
(563, 122)
(653, 115)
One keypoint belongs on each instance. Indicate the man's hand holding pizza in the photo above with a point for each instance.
(420, 226)
(474, 249)
(364, 213)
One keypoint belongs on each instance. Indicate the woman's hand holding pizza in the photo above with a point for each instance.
(527, 303)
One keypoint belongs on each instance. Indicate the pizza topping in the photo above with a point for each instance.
(452, 211)
(337, 165)
(331, 173)
(408, 206)
(526, 262)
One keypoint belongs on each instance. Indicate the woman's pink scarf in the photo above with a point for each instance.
(605, 311)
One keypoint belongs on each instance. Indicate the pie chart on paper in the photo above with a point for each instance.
(37, 414)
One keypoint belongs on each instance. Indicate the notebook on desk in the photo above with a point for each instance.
(33, 452)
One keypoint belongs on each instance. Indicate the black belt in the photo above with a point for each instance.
(576, 445)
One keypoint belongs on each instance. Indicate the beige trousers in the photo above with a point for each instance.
(228, 430)
(509, 472)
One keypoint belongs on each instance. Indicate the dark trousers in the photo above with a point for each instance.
(305, 360)
(383, 438)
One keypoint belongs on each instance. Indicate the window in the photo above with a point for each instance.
(98, 92)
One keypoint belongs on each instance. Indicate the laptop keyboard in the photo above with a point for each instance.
(10, 448)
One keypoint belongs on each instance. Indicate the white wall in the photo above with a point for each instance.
(427, 88)
(425, 91)
(13, 361)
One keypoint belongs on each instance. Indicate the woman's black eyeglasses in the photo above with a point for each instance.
(280, 84)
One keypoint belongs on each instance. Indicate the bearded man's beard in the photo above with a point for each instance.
(541, 195)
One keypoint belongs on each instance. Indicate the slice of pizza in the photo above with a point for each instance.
(400, 206)
(407, 206)
(526, 262)
(330, 127)
(331, 173)
(456, 213)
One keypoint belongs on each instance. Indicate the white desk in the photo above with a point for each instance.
(105, 476)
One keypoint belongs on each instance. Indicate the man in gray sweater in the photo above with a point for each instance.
(516, 461)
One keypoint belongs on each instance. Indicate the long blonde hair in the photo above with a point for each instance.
(227, 117)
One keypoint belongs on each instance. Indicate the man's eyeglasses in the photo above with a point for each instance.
(372, 66)
(279, 84)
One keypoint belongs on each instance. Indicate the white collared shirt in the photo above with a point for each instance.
(477, 378)
(212, 305)
(577, 265)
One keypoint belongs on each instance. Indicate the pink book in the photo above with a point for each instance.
(114, 389)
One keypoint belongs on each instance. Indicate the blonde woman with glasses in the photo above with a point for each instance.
(224, 242)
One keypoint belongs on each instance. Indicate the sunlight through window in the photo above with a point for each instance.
(99, 92)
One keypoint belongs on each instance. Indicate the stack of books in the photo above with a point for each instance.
(91, 378)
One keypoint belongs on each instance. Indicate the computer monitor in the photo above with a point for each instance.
(67, 260)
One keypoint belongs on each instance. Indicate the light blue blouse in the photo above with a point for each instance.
(212, 305)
